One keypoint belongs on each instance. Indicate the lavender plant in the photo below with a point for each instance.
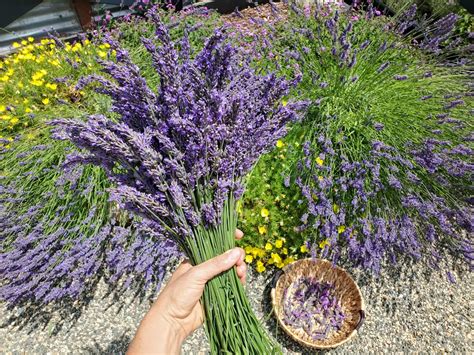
(177, 157)
(311, 305)
(383, 156)
(59, 234)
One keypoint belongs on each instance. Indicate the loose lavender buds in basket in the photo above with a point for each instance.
(312, 306)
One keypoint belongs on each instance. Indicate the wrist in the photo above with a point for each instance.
(158, 333)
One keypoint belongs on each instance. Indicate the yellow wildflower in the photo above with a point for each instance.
(86, 42)
(260, 268)
(24, 42)
(31, 39)
(280, 265)
(4, 78)
(341, 229)
(264, 212)
(284, 103)
(280, 143)
(16, 45)
(14, 120)
(276, 258)
(28, 110)
(304, 248)
(262, 229)
(268, 246)
(319, 161)
(288, 260)
(320, 178)
(335, 208)
(37, 82)
(52, 86)
(25, 101)
(248, 249)
(279, 243)
(284, 251)
(248, 258)
(324, 243)
(2, 108)
(270, 261)
(102, 54)
(45, 101)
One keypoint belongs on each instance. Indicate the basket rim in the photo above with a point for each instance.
(287, 329)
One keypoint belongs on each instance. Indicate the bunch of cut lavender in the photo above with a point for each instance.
(311, 305)
(177, 157)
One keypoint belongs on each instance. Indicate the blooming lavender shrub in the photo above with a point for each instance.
(177, 157)
(59, 234)
(383, 158)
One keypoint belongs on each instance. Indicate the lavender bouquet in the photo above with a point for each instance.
(177, 157)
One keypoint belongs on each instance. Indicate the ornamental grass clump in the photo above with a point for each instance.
(177, 157)
(311, 305)
(383, 157)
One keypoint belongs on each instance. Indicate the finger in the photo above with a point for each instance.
(242, 257)
(242, 273)
(181, 269)
(238, 234)
(213, 267)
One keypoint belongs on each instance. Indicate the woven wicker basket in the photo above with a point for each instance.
(346, 291)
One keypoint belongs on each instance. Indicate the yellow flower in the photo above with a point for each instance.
(55, 62)
(31, 39)
(335, 208)
(341, 229)
(248, 249)
(280, 265)
(319, 161)
(268, 246)
(102, 54)
(304, 248)
(28, 110)
(324, 243)
(25, 101)
(289, 260)
(260, 268)
(284, 251)
(14, 121)
(279, 243)
(270, 261)
(16, 45)
(24, 42)
(2, 108)
(264, 212)
(37, 82)
(262, 229)
(248, 258)
(280, 143)
(86, 42)
(320, 178)
(4, 78)
(45, 101)
(284, 103)
(52, 86)
(276, 258)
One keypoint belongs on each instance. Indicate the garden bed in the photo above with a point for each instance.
(372, 175)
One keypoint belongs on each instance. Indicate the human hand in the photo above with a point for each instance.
(177, 312)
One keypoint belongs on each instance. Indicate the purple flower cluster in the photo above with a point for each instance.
(311, 305)
(178, 153)
(48, 258)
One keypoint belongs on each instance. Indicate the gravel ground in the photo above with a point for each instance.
(409, 309)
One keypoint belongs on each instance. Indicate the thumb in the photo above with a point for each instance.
(213, 267)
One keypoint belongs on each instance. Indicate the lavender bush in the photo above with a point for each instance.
(177, 157)
(383, 158)
(59, 234)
